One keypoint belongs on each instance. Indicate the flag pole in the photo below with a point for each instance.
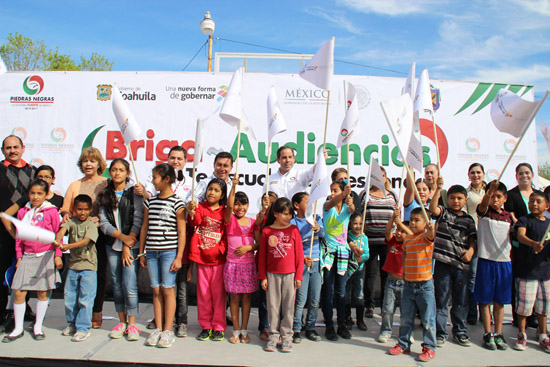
(401, 186)
(133, 163)
(345, 111)
(238, 150)
(312, 232)
(531, 118)
(326, 124)
(416, 194)
(543, 237)
(267, 173)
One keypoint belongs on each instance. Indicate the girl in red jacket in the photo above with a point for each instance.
(208, 248)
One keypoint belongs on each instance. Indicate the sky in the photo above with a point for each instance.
(505, 41)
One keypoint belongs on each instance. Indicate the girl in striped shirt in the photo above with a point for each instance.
(163, 236)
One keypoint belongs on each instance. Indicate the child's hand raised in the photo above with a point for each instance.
(315, 227)
(235, 181)
(440, 182)
(493, 185)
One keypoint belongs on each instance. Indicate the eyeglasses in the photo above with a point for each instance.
(45, 178)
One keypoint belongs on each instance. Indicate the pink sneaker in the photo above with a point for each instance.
(132, 333)
(397, 350)
(427, 355)
(545, 344)
(118, 331)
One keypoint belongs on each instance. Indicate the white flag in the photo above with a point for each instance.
(320, 185)
(28, 232)
(199, 142)
(376, 175)
(275, 121)
(232, 109)
(409, 83)
(350, 126)
(423, 98)
(399, 115)
(415, 153)
(3, 68)
(127, 123)
(320, 68)
(512, 114)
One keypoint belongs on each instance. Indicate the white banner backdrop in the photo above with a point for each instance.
(59, 113)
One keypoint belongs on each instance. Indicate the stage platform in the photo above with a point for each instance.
(361, 350)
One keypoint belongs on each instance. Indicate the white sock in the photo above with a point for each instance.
(41, 307)
(19, 316)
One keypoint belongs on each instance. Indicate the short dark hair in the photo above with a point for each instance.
(45, 167)
(341, 184)
(165, 170)
(241, 197)
(13, 136)
(547, 193)
(418, 211)
(538, 193)
(279, 151)
(40, 183)
(223, 155)
(178, 148)
(83, 198)
(502, 189)
(457, 189)
(298, 197)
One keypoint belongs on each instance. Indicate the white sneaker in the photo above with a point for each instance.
(80, 336)
(68, 331)
(153, 338)
(384, 337)
(166, 340)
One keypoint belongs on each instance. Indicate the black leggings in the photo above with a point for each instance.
(372, 267)
(101, 273)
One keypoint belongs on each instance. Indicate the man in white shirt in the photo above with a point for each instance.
(288, 181)
(223, 164)
(177, 158)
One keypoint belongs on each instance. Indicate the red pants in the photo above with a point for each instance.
(211, 297)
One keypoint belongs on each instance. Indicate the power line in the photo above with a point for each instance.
(293, 52)
(193, 58)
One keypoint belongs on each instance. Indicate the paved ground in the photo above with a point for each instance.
(361, 350)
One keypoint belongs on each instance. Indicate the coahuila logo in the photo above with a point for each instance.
(473, 145)
(58, 135)
(33, 84)
(186, 93)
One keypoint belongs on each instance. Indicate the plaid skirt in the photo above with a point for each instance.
(36, 273)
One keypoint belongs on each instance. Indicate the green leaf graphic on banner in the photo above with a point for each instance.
(514, 88)
(492, 94)
(478, 92)
(527, 89)
(90, 138)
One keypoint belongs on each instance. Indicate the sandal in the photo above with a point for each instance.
(245, 338)
(235, 337)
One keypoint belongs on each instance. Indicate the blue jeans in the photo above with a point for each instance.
(472, 304)
(158, 265)
(354, 288)
(334, 286)
(393, 293)
(124, 281)
(447, 280)
(418, 295)
(80, 291)
(310, 292)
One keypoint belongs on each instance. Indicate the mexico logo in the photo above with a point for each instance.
(33, 85)
(104, 92)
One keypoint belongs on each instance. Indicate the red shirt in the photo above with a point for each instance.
(208, 245)
(394, 258)
(281, 252)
